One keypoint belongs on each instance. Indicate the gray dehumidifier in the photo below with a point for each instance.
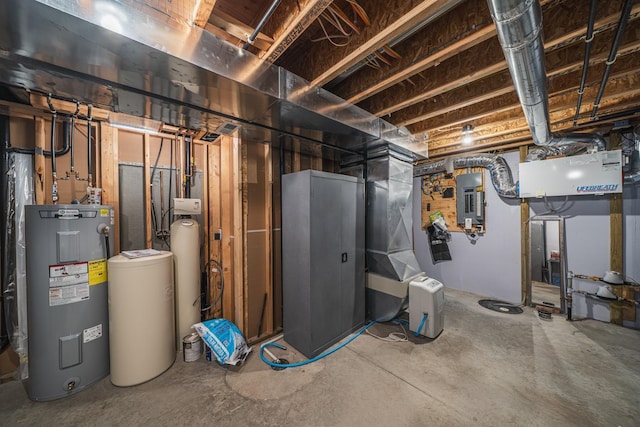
(426, 306)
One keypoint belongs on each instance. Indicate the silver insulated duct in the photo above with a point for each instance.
(519, 26)
(389, 215)
(498, 168)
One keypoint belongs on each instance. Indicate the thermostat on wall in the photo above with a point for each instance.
(186, 206)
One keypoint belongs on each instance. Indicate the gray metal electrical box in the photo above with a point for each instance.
(68, 321)
(469, 199)
(323, 258)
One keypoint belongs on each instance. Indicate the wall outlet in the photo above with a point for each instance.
(187, 206)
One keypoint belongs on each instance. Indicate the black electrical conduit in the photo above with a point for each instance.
(622, 25)
(64, 150)
(263, 21)
(587, 55)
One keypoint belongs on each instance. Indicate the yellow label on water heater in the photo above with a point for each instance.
(97, 271)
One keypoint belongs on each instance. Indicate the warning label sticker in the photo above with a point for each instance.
(68, 283)
(92, 333)
(68, 294)
(97, 271)
(104, 212)
(67, 269)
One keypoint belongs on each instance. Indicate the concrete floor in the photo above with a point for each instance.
(486, 368)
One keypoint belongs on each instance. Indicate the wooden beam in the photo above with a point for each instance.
(524, 242)
(316, 157)
(109, 174)
(238, 29)
(238, 233)
(419, 52)
(322, 65)
(244, 173)
(616, 239)
(296, 155)
(214, 202)
(146, 158)
(483, 61)
(66, 107)
(288, 22)
(40, 169)
(226, 215)
(504, 114)
(268, 236)
(498, 85)
(466, 43)
(202, 12)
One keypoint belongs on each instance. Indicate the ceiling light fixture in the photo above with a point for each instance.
(467, 130)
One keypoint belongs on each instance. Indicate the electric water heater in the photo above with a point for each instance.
(67, 247)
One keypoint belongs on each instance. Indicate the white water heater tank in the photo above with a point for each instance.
(185, 245)
(426, 297)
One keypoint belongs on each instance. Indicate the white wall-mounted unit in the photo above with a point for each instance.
(186, 206)
(597, 173)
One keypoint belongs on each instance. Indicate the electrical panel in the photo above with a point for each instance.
(596, 173)
(469, 200)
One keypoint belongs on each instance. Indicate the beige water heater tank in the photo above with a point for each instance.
(141, 317)
(185, 245)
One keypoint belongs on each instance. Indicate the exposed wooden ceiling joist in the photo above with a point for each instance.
(427, 48)
(486, 59)
(500, 84)
(238, 29)
(288, 22)
(562, 109)
(203, 12)
(388, 20)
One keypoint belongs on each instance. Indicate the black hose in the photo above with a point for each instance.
(187, 167)
(622, 25)
(70, 138)
(587, 55)
(64, 150)
(89, 159)
(106, 242)
(53, 142)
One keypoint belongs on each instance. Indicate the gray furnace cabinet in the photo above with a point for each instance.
(323, 258)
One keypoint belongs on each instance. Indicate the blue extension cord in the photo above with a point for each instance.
(405, 323)
(315, 359)
(333, 350)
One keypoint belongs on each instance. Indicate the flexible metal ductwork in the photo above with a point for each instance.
(429, 168)
(631, 149)
(500, 172)
(498, 168)
(519, 28)
(541, 153)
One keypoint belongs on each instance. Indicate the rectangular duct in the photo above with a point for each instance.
(389, 215)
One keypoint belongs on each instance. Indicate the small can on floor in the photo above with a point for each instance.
(191, 347)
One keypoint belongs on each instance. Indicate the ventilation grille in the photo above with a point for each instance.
(226, 128)
(209, 137)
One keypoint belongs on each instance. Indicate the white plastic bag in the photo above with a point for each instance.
(224, 339)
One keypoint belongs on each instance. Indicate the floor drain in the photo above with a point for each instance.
(500, 306)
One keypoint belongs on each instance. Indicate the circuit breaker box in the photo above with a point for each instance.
(469, 199)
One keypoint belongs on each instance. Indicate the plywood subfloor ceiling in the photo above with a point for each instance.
(436, 65)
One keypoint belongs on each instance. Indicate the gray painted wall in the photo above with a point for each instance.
(492, 266)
